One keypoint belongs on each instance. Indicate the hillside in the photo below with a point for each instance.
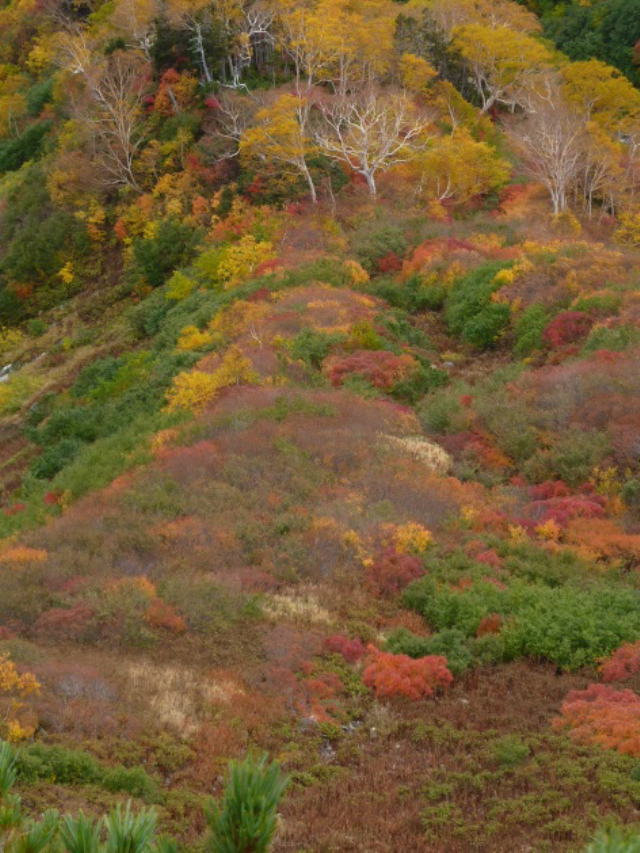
(319, 422)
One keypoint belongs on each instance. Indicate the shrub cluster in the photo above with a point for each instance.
(399, 675)
(571, 626)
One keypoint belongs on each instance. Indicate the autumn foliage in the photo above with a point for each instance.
(381, 368)
(399, 675)
(351, 650)
(603, 716)
(623, 664)
(567, 328)
(390, 572)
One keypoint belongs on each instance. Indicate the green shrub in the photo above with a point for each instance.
(631, 494)
(35, 327)
(326, 270)
(509, 421)
(55, 458)
(73, 767)
(600, 303)
(570, 626)
(614, 339)
(38, 239)
(133, 781)
(398, 326)
(15, 152)
(412, 294)
(451, 643)
(419, 382)
(39, 94)
(510, 751)
(469, 311)
(246, 820)
(155, 258)
(442, 412)
(312, 347)
(571, 460)
(376, 243)
(529, 329)
(615, 841)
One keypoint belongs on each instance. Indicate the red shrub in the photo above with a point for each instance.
(490, 558)
(562, 510)
(379, 367)
(259, 295)
(567, 328)
(15, 509)
(389, 263)
(321, 697)
(391, 572)
(400, 675)
(604, 716)
(550, 489)
(351, 650)
(491, 624)
(64, 624)
(623, 663)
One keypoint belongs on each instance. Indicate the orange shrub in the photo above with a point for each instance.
(162, 615)
(23, 554)
(604, 716)
(602, 538)
(399, 675)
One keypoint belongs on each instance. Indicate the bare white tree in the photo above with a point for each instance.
(551, 139)
(234, 113)
(135, 21)
(371, 132)
(110, 105)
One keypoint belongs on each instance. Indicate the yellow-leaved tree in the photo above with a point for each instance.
(280, 136)
(15, 687)
(345, 44)
(456, 168)
(601, 93)
(507, 66)
(416, 73)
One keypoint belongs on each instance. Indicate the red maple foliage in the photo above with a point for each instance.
(623, 663)
(399, 675)
(568, 327)
(351, 650)
(490, 558)
(550, 489)
(389, 263)
(391, 572)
